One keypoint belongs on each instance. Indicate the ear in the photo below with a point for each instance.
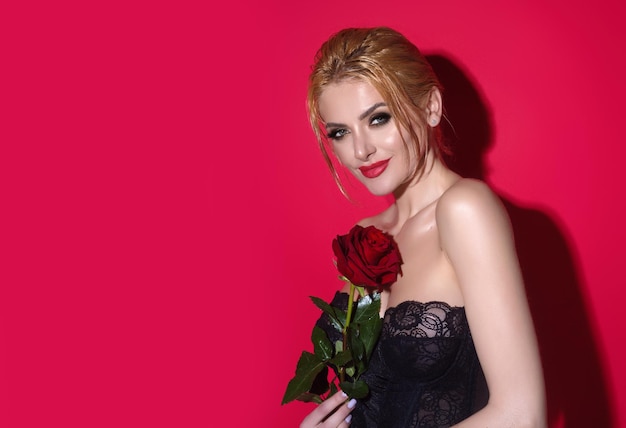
(434, 108)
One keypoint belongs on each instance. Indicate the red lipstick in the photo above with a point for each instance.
(375, 169)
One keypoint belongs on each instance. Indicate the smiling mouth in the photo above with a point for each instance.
(374, 170)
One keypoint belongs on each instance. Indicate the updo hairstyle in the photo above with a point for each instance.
(396, 68)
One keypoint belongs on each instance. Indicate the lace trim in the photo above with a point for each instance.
(424, 319)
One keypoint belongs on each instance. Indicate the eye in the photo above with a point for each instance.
(337, 134)
(380, 119)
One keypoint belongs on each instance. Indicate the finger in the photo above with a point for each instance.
(323, 410)
(342, 417)
(332, 403)
(346, 422)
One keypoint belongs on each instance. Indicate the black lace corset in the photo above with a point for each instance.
(424, 371)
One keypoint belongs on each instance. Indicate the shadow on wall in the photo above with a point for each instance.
(576, 389)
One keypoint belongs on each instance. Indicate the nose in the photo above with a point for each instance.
(363, 148)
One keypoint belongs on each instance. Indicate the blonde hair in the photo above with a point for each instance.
(395, 68)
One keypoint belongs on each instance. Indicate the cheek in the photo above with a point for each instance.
(391, 139)
(341, 153)
(409, 150)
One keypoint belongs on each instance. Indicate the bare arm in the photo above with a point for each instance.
(476, 237)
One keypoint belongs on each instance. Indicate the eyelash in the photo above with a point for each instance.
(335, 134)
(382, 117)
(378, 119)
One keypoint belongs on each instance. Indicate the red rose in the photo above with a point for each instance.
(368, 257)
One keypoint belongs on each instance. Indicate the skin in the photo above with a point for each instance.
(457, 245)
(340, 418)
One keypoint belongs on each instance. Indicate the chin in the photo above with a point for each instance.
(379, 190)
(381, 186)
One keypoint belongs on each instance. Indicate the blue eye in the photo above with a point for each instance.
(337, 134)
(380, 119)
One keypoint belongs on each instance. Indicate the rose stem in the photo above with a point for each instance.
(345, 328)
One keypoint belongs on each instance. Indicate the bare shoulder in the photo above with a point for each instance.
(468, 199)
(470, 212)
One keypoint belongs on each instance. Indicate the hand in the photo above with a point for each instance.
(340, 419)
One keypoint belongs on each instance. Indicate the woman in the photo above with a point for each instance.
(458, 346)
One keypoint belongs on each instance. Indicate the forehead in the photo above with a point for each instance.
(346, 100)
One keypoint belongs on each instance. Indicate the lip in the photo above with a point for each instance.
(375, 169)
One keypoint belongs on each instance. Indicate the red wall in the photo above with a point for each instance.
(167, 212)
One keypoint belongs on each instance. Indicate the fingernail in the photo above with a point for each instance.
(351, 403)
(348, 419)
(343, 394)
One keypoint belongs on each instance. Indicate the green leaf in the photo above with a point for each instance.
(321, 344)
(368, 307)
(333, 389)
(341, 359)
(337, 316)
(310, 382)
(357, 347)
(320, 383)
(357, 389)
(369, 332)
(307, 397)
(320, 303)
(343, 278)
(309, 366)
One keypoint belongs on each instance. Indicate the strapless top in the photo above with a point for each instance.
(424, 371)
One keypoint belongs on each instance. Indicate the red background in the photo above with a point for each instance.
(167, 213)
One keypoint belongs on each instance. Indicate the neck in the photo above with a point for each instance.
(423, 191)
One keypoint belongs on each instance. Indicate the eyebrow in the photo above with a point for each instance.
(361, 116)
